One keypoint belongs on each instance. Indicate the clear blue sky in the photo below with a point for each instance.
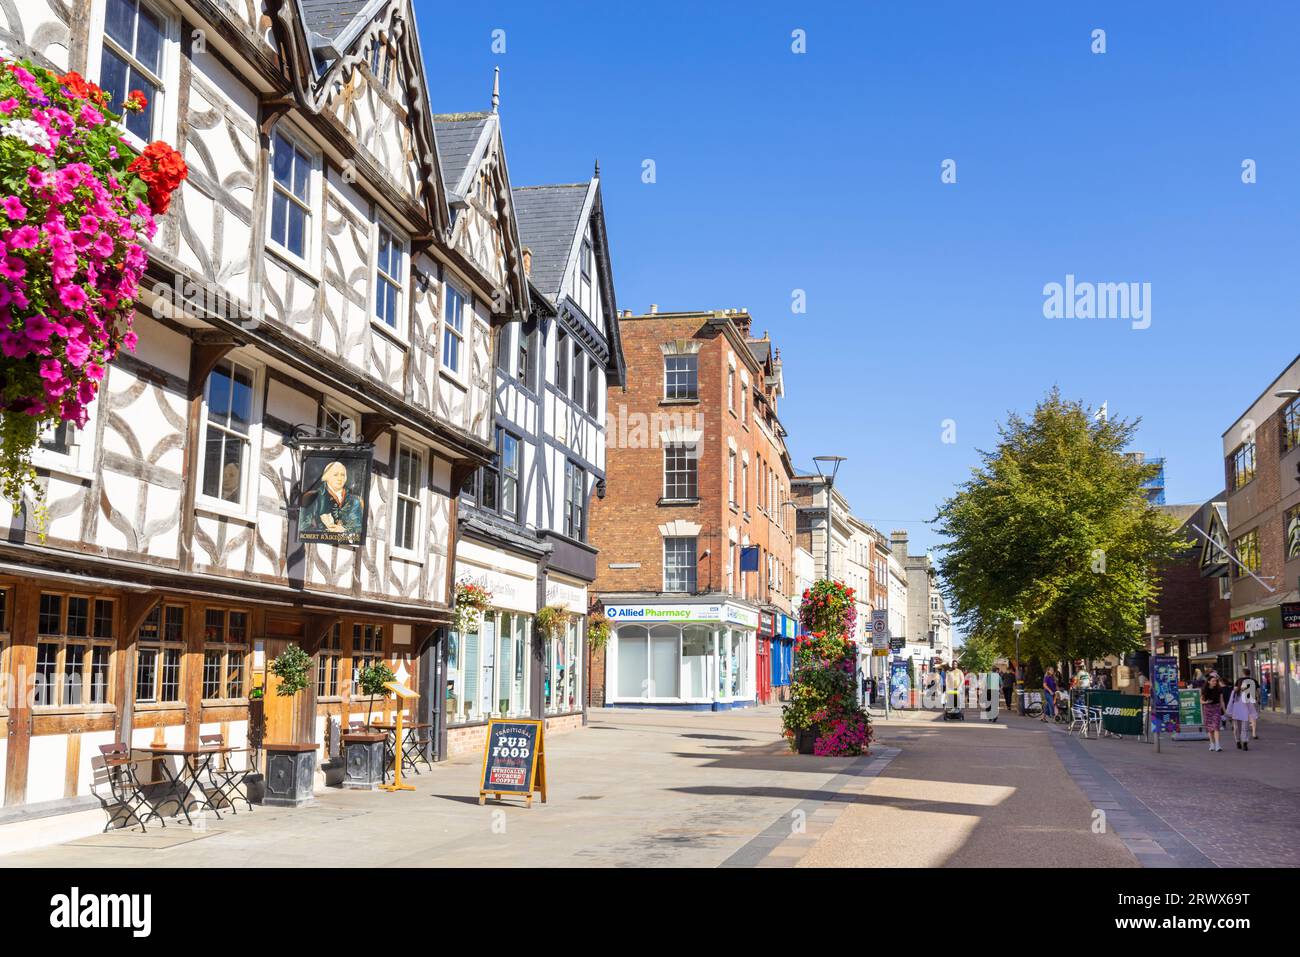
(821, 172)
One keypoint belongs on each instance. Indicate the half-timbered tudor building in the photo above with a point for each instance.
(523, 533)
(314, 272)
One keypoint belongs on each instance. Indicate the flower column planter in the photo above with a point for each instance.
(290, 772)
(363, 759)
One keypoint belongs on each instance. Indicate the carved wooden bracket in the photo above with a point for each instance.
(315, 630)
(373, 424)
(208, 349)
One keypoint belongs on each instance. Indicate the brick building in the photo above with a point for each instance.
(1262, 467)
(1193, 604)
(693, 533)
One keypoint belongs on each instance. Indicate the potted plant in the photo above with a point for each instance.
(363, 751)
(290, 766)
(78, 204)
(254, 782)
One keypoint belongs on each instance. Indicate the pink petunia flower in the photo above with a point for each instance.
(14, 207)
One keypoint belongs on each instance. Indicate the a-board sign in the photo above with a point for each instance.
(514, 760)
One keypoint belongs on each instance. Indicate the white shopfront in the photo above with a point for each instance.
(562, 657)
(684, 655)
(489, 668)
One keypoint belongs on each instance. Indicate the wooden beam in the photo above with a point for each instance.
(22, 666)
(135, 609)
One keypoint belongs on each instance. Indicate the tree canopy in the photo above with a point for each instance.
(1053, 528)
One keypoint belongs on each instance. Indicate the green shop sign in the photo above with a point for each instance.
(1120, 713)
(1189, 708)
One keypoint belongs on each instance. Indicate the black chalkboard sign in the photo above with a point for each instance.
(514, 761)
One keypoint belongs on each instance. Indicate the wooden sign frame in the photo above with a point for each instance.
(536, 777)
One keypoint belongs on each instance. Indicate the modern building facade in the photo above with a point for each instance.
(1261, 454)
(333, 304)
(694, 541)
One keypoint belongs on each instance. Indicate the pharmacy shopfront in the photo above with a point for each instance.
(700, 656)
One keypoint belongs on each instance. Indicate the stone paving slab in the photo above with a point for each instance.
(1231, 808)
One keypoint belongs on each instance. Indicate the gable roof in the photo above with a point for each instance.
(551, 225)
(320, 43)
(549, 220)
(332, 20)
(463, 138)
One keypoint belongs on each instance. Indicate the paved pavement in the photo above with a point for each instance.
(969, 794)
(657, 788)
(1230, 808)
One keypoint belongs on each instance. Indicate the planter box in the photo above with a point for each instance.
(290, 774)
(363, 759)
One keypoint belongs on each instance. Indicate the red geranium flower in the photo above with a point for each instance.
(162, 169)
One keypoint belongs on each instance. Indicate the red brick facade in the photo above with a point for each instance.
(627, 525)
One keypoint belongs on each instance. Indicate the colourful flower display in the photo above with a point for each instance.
(823, 697)
(76, 206)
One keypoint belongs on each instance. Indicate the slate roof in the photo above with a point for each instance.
(548, 225)
(458, 135)
(761, 349)
(329, 18)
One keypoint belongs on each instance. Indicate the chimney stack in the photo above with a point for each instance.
(654, 308)
(898, 543)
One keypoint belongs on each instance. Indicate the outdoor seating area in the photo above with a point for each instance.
(184, 779)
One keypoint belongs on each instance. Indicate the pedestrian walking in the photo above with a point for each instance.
(1254, 693)
(1009, 687)
(1198, 680)
(1214, 699)
(1049, 696)
(1242, 710)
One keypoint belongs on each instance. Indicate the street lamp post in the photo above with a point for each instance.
(1019, 626)
(833, 463)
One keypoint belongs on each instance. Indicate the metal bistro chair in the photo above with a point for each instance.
(226, 780)
(116, 771)
(1078, 719)
(1094, 720)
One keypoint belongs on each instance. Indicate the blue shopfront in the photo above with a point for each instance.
(783, 657)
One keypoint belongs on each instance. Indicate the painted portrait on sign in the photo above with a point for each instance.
(332, 509)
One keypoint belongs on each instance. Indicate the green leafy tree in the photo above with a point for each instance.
(1053, 528)
(978, 654)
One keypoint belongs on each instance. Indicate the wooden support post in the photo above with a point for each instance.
(22, 666)
(135, 609)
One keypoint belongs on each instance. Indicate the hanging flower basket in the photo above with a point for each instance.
(471, 602)
(76, 205)
(551, 621)
(597, 630)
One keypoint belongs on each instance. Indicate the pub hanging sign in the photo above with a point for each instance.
(332, 504)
